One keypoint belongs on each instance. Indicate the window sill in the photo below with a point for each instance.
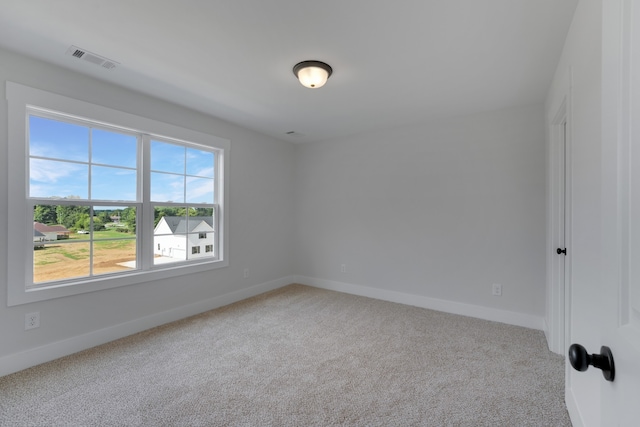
(109, 282)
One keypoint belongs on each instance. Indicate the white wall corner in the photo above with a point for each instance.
(35, 356)
(547, 336)
(453, 307)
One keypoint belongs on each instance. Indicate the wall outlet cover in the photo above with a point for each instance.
(32, 320)
(497, 290)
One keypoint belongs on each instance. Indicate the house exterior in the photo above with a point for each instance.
(182, 238)
(38, 237)
(49, 233)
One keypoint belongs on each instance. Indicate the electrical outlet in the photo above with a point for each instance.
(497, 290)
(245, 273)
(343, 268)
(32, 320)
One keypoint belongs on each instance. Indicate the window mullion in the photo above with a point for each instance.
(145, 216)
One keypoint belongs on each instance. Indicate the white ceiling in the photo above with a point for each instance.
(395, 62)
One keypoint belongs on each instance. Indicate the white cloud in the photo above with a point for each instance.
(49, 171)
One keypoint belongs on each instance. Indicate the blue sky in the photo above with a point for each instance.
(61, 162)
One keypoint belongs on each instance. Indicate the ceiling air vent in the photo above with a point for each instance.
(293, 133)
(98, 60)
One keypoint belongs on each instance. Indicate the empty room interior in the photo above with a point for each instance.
(297, 213)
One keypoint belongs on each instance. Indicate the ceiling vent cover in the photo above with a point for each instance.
(98, 60)
(293, 133)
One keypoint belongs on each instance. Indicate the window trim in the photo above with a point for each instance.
(20, 98)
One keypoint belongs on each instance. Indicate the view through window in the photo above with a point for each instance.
(89, 204)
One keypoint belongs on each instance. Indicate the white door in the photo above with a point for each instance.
(560, 215)
(619, 308)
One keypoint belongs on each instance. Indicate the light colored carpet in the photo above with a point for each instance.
(300, 356)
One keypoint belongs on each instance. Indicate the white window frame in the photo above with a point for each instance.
(20, 231)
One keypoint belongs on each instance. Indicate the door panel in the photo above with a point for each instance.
(621, 210)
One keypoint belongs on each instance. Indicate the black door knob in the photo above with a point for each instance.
(561, 251)
(580, 360)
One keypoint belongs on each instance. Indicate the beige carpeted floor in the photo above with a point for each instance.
(301, 356)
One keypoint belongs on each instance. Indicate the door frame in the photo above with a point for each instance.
(558, 328)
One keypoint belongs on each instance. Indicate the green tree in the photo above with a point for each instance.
(46, 214)
(68, 215)
(185, 212)
(104, 216)
(83, 221)
(129, 217)
(98, 225)
(202, 212)
(162, 211)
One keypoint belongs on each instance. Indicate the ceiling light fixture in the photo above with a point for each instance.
(312, 74)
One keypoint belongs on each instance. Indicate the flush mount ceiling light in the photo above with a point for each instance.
(312, 74)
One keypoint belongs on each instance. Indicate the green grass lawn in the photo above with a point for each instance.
(80, 251)
(105, 234)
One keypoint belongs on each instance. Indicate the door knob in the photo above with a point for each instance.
(580, 360)
(561, 251)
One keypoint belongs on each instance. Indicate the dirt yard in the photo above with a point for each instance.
(70, 260)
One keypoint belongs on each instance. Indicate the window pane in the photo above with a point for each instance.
(50, 178)
(167, 157)
(58, 140)
(116, 184)
(112, 148)
(180, 237)
(60, 260)
(110, 256)
(199, 190)
(200, 163)
(54, 257)
(167, 187)
(63, 234)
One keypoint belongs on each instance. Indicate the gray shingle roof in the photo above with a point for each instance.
(178, 224)
(49, 228)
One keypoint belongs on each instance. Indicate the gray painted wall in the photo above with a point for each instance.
(442, 210)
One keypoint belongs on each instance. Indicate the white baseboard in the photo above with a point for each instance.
(35, 356)
(480, 312)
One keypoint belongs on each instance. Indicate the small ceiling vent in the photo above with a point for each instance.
(293, 133)
(98, 60)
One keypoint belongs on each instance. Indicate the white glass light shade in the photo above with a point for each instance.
(312, 74)
(313, 77)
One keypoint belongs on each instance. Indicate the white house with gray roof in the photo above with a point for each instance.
(183, 238)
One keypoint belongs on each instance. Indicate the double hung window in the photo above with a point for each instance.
(110, 198)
